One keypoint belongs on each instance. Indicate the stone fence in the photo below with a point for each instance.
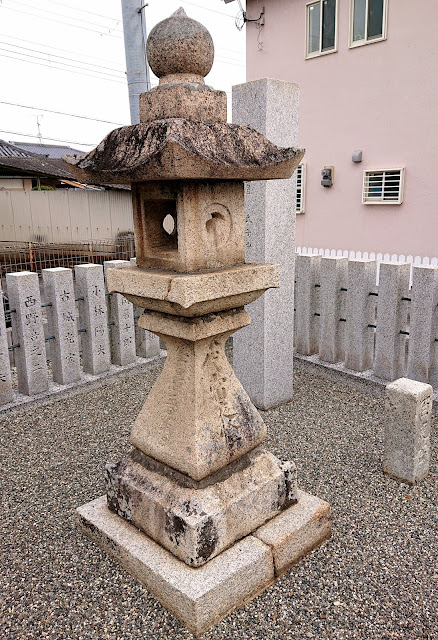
(344, 320)
(63, 329)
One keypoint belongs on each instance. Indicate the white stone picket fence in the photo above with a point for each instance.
(370, 255)
(65, 331)
(344, 320)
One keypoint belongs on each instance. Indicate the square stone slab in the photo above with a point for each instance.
(194, 294)
(201, 597)
(296, 531)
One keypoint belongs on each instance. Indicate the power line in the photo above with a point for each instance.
(35, 15)
(42, 44)
(84, 10)
(61, 113)
(30, 135)
(222, 13)
(64, 64)
(41, 64)
(63, 15)
(54, 55)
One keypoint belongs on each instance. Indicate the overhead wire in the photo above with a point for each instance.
(50, 66)
(63, 15)
(61, 113)
(30, 135)
(84, 10)
(76, 26)
(222, 13)
(55, 55)
(64, 65)
(43, 44)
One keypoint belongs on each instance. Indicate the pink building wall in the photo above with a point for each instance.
(381, 98)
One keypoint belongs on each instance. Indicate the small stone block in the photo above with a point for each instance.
(407, 430)
(296, 531)
(200, 597)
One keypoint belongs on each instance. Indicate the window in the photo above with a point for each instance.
(301, 185)
(383, 186)
(321, 28)
(368, 21)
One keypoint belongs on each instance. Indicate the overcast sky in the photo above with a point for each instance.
(68, 56)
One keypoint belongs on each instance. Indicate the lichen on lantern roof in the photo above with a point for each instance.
(183, 149)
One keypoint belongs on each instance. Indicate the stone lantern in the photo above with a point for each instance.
(199, 512)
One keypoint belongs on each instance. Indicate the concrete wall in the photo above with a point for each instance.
(64, 215)
(380, 98)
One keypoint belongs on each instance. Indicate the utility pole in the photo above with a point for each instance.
(137, 68)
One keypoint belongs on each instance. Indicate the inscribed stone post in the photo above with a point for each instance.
(90, 290)
(28, 331)
(122, 334)
(6, 392)
(423, 325)
(407, 430)
(263, 352)
(359, 335)
(307, 295)
(61, 317)
(390, 351)
(333, 280)
(147, 345)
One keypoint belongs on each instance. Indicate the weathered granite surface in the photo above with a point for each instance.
(271, 107)
(189, 226)
(197, 417)
(186, 101)
(194, 294)
(198, 520)
(181, 149)
(202, 596)
(198, 597)
(180, 45)
(407, 430)
(195, 483)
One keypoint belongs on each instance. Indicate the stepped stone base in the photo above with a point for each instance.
(201, 597)
(197, 523)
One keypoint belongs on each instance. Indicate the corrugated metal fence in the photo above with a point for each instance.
(64, 215)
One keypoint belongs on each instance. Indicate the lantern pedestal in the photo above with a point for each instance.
(201, 597)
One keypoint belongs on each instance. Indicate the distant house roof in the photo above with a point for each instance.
(48, 150)
(8, 150)
(13, 158)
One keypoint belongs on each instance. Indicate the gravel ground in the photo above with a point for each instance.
(375, 578)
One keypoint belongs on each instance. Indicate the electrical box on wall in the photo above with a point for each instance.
(327, 176)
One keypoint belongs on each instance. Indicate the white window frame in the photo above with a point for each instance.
(360, 43)
(302, 207)
(366, 199)
(317, 54)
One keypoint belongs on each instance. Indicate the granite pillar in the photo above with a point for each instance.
(307, 308)
(28, 332)
(6, 392)
(390, 351)
(61, 318)
(407, 430)
(333, 285)
(361, 305)
(90, 290)
(263, 352)
(422, 365)
(121, 319)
